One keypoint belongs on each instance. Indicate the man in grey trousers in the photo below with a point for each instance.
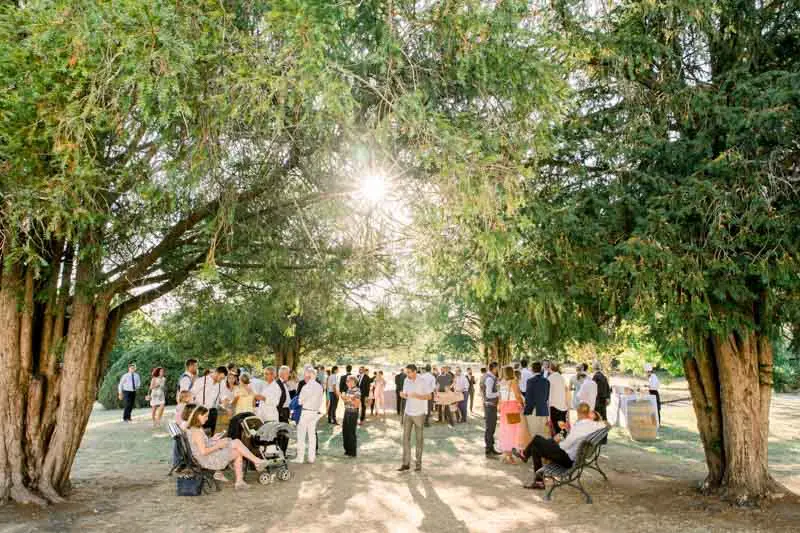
(490, 400)
(416, 393)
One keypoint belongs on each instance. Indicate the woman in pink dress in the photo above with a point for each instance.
(510, 414)
(380, 388)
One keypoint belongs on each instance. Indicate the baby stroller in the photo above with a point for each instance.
(262, 439)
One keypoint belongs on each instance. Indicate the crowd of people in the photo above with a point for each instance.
(533, 410)
(525, 410)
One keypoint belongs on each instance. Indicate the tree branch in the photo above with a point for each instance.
(172, 238)
(174, 280)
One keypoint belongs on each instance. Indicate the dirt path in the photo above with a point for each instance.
(120, 485)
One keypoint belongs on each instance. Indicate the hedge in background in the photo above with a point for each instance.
(146, 356)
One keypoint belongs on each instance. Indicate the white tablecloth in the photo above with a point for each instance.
(617, 411)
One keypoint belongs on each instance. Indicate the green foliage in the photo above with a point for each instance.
(147, 356)
(786, 368)
(671, 199)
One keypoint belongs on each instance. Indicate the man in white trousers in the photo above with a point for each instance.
(310, 400)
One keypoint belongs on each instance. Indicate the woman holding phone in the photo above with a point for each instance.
(216, 453)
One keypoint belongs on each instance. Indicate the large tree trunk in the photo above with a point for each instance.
(730, 379)
(500, 351)
(288, 353)
(50, 367)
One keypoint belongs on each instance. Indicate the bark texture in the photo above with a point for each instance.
(730, 379)
(53, 352)
(288, 352)
(499, 350)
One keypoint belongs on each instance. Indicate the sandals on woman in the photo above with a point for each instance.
(220, 476)
(241, 486)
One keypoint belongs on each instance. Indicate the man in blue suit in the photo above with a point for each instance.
(537, 410)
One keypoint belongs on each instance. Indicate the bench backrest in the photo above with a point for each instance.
(182, 451)
(588, 446)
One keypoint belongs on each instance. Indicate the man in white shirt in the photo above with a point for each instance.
(653, 384)
(333, 395)
(126, 391)
(524, 375)
(208, 392)
(268, 393)
(561, 452)
(310, 400)
(461, 385)
(588, 392)
(558, 398)
(417, 391)
(188, 378)
(430, 380)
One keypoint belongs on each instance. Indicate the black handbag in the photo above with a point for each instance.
(190, 485)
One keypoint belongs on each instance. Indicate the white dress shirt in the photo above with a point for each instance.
(311, 396)
(129, 382)
(333, 383)
(185, 383)
(558, 391)
(415, 406)
(207, 393)
(652, 382)
(429, 379)
(288, 398)
(491, 394)
(525, 375)
(588, 393)
(461, 384)
(268, 408)
(580, 430)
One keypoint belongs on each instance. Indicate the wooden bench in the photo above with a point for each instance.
(587, 456)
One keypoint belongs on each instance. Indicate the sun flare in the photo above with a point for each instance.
(373, 187)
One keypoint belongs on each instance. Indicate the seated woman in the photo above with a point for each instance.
(184, 402)
(216, 453)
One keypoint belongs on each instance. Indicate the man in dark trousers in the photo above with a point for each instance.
(363, 385)
(603, 390)
(343, 379)
(537, 409)
(444, 382)
(333, 395)
(399, 379)
(490, 400)
(561, 451)
(127, 387)
(283, 403)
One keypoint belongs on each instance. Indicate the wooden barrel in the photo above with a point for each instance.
(642, 419)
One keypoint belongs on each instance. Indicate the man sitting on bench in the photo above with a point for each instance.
(561, 452)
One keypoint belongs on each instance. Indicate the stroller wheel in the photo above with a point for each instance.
(284, 474)
(266, 478)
